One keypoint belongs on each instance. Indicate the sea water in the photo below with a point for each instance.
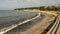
(9, 17)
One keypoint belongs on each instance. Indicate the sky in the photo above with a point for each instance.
(12, 4)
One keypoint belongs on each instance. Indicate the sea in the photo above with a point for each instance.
(10, 17)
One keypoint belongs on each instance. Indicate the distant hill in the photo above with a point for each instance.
(48, 8)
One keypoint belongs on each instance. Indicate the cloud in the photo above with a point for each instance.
(11, 4)
(31, 0)
(8, 5)
(28, 0)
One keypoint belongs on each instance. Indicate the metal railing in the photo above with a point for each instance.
(54, 26)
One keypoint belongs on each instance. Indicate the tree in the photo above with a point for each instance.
(42, 8)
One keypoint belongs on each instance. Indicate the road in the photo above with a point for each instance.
(58, 30)
(28, 26)
(54, 27)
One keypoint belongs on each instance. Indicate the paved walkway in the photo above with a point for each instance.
(33, 27)
(58, 31)
(37, 28)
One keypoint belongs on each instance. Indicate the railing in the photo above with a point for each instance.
(54, 26)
